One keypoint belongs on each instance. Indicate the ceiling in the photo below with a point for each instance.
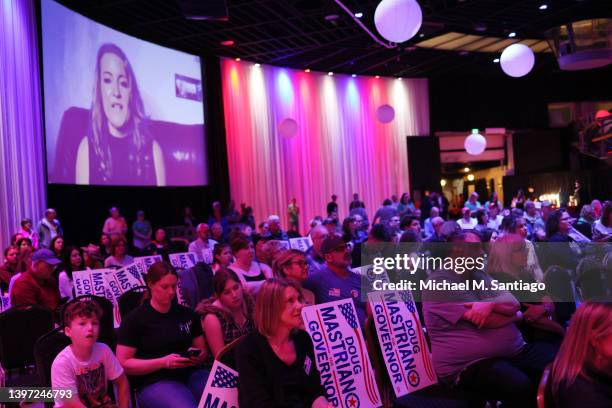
(296, 33)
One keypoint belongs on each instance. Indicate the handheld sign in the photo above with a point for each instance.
(301, 244)
(221, 388)
(145, 262)
(82, 283)
(341, 354)
(401, 340)
(183, 260)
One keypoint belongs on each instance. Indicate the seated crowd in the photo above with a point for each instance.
(251, 288)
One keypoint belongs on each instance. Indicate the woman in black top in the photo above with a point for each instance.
(581, 374)
(276, 363)
(153, 346)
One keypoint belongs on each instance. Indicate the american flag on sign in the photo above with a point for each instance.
(348, 311)
(224, 379)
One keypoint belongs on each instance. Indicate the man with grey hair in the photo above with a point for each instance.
(427, 226)
(275, 231)
(437, 236)
(313, 255)
(48, 228)
(203, 245)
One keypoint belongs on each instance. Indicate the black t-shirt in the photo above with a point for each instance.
(154, 334)
(266, 381)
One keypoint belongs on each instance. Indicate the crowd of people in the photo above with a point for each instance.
(495, 345)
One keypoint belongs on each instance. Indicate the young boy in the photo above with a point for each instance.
(85, 366)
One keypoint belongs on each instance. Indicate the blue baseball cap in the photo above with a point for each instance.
(45, 255)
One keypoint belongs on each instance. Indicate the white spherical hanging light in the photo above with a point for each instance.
(475, 143)
(288, 128)
(517, 60)
(385, 113)
(398, 20)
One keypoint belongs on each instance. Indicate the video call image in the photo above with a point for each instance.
(119, 110)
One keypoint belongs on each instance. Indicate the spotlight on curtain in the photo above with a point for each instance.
(385, 113)
(288, 128)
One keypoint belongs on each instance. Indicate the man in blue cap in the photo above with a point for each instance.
(37, 286)
(335, 280)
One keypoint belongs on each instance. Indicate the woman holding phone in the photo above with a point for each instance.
(161, 346)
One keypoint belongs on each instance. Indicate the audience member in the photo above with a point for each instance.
(332, 206)
(218, 232)
(586, 221)
(482, 220)
(466, 222)
(356, 203)
(247, 217)
(142, 231)
(119, 256)
(231, 214)
(161, 346)
(217, 217)
(472, 203)
(73, 261)
(272, 359)
(188, 219)
(85, 366)
(269, 251)
(405, 205)
(203, 245)
(9, 267)
(115, 225)
(222, 257)
(494, 200)
(105, 246)
(36, 285)
(597, 207)
(436, 224)
(293, 212)
(384, 213)
(274, 230)
(292, 265)
(228, 315)
(314, 256)
(336, 280)
(474, 339)
(581, 374)
(602, 229)
(159, 245)
(57, 246)
(428, 229)
(251, 273)
(48, 228)
(27, 231)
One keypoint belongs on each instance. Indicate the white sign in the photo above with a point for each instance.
(184, 260)
(221, 388)
(301, 244)
(402, 342)
(145, 262)
(341, 354)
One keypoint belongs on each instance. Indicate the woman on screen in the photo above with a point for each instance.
(118, 148)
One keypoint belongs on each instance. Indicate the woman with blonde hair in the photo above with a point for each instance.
(581, 374)
(292, 265)
(276, 363)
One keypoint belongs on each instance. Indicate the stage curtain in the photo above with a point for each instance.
(22, 177)
(340, 147)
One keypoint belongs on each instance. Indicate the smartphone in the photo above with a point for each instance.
(192, 352)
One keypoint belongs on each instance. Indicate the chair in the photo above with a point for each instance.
(131, 299)
(107, 325)
(47, 347)
(543, 387)
(20, 327)
(227, 355)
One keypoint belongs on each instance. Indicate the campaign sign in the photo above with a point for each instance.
(221, 388)
(207, 256)
(401, 340)
(284, 244)
(184, 260)
(341, 354)
(82, 283)
(129, 277)
(98, 282)
(301, 244)
(145, 262)
(5, 302)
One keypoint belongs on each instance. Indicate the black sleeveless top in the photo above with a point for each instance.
(128, 167)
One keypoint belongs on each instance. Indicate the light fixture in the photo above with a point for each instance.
(227, 43)
(237, 59)
(359, 14)
(512, 35)
(543, 7)
(467, 169)
(398, 20)
(470, 177)
(496, 60)
(517, 60)
(399, 79)
(354, 75)
(377, 76)
(330, 73)
(442, 182)
(475, 143)
(257, 64)
(421, 35)
(307, 70)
